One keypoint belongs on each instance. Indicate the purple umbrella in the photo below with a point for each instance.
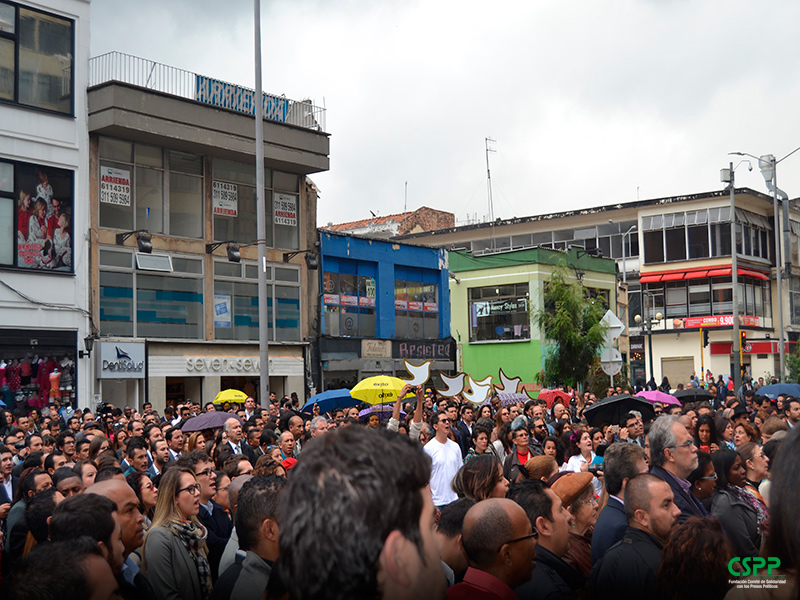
(384, 412)
(214, 419)
(658, 396)
(507, 399)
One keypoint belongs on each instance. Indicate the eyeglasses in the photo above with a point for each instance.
(711, 478)
(148, 486)
(591, 500)
(192, 489)
(534, 534)
(686, 445)
(205, 473)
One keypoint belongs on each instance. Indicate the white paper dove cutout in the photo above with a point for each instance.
(480, 389)
(419, 373)
(508, 384)
(455, 385)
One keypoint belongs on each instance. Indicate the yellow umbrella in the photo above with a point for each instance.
(230, 396)
(380, 389)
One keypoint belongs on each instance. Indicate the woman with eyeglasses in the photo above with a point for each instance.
(733, 505)
(175, 553)
(703, 479)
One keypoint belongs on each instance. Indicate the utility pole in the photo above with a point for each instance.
(488, 141)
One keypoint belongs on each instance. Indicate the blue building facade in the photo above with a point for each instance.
(380, 303)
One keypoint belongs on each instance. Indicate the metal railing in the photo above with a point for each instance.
(148, 74)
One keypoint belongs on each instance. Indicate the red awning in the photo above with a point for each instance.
(649, 278)
(719, 272)
(749, 273)
(697, 274)
(673, 276)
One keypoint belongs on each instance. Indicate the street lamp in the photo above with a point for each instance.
(768, 166)
(649, 320)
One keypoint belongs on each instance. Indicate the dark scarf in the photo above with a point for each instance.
(193, 535)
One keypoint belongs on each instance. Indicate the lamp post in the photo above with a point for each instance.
(648, 322)
(768, 166)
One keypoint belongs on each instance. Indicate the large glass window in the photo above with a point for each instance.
(36, 211)
(349, 299)
(147, 187)
(36, 58)
(234, 205)
(236, 302)
(143, 303)
(498, 313)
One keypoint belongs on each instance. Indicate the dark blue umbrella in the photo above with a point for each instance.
(330, 400)
(775, 389)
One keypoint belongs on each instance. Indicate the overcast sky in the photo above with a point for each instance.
(591, 102)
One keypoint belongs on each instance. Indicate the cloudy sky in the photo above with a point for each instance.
(589, 102)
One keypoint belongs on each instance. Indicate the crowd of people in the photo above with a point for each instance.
(457, 500)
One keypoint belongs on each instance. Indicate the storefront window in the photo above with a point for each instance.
(39, 367)
(499, 313)
(36, 212)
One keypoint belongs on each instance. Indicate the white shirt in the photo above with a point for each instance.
(573, 465)
(446, 459)
(8, 487)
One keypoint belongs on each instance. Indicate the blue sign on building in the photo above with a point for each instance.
(234, 97)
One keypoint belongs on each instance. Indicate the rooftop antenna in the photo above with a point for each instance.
(490, 141)
(405, 202)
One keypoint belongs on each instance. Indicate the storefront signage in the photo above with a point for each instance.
(414, 305)
(366, 301)
(376, 349)
(348, 300)
(432, 307)
(330, 298)
(755, 347)
(400, 305)
(434, 350)
(716, 321)
(216, 365)
(226, 95)
(120, 360)
(284, 209)
(115, 186)
(499, 307)
(225, 199)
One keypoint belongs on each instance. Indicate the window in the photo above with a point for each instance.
(36, 58)
(349, 299)
(721, 296)
(416, 306)
(147, 187)
(36, 210)
(234, 205)
(236, 302)
(499, 313)
(675, 295)
(141, 303)
(653, 246)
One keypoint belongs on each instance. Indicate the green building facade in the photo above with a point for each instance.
(493, 297)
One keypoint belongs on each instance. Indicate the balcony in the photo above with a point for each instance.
(140, 72)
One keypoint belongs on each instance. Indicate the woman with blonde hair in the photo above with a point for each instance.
(197, 441)
(175, 556)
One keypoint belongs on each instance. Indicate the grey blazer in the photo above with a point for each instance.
(169, 566)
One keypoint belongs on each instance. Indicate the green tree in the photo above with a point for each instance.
(793, 365)
(570, 319)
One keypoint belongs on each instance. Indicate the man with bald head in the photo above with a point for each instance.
(132, 583)
(233, 427)
(296, 429)
(500, 545)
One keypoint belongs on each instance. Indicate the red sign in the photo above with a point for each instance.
(366, 301)
(400, 304)
(330, 298)
(762, 347)
(715, 321)
(349, 300)
(414, 305)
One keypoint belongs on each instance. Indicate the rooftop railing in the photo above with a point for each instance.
(148, 74)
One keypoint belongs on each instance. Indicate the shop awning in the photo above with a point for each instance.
(700, 273)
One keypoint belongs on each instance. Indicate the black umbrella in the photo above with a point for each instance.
(613, 410)
(693, 394)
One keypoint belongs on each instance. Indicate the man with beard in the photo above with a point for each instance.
(539, 431)
(628, 570)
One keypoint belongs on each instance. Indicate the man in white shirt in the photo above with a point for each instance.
(446, 461)
(249, 409)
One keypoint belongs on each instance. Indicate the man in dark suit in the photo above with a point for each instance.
(621, 462)
(464, 427)
(673, 456)
(211, 515)
(9, 484)
(233, 427)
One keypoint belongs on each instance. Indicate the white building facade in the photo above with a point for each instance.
(44, 209)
